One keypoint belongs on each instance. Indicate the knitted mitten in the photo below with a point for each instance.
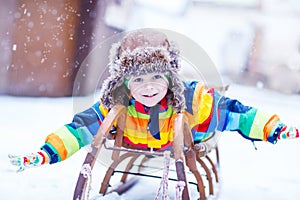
(30, 160)
(288, 132)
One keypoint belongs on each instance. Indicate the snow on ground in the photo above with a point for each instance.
(270, 172)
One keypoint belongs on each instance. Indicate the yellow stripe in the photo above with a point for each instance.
(158, 143)
(202, 105)
(136, 128)
(257, 128)
(146, 138)
(205, 107)
(191, 119)
(103, 110)
(197, 97)
(69, 140)
(135, 134)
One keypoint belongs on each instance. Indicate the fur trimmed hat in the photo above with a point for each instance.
(140, 52)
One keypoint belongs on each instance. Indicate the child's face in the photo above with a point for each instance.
(149, 89)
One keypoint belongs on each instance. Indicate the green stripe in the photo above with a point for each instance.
(246, 121)
(167, 114)
(85, 135)
(75, 134)
(162, 115)
(69, 140)
(132, 112)
(259, 122)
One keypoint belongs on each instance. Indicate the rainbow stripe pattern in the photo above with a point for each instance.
(146, 127)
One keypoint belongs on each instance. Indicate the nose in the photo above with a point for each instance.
(148, 86)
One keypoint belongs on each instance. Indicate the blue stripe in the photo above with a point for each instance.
(223, 120)
(97, 109)
(189, 92)
(213, 124)
(85, 118)
(272, 138)
(93, 128)
(53, 155)
(233, 122)
(200, 136)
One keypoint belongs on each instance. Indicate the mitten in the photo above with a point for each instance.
(30, 160)
(288, 132)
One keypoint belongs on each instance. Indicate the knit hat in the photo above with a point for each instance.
(140, 52)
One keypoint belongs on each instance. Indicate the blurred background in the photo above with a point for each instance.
(46, 51)
(44, 43)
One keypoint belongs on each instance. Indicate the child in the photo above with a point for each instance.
(144, 77)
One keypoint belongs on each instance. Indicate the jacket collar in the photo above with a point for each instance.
(139, 107)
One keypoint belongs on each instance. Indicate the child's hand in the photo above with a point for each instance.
(289, 132)
(29, 161)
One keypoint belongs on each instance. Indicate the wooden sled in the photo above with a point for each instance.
(197, 159)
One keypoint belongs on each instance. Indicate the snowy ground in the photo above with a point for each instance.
(271, 172)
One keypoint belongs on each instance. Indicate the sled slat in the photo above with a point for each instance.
(91, 157)
(185, 153)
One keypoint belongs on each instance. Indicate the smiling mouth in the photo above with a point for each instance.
(149, 96)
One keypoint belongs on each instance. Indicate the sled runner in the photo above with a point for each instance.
(201, 160)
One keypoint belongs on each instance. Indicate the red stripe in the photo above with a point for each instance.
(44, 159)
(140, 108)
(283, 129)
(205, 125)
(163, 104)
(297, 133)
(126, 140)
(24, 160)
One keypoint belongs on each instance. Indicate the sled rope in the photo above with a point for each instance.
(86, 171)
(164, 180)
(179, 189)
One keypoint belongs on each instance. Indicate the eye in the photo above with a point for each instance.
(138, 80)
(157, 76)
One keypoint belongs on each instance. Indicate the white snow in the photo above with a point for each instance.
(271, 172)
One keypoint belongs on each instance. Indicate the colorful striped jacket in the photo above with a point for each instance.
(207, 111)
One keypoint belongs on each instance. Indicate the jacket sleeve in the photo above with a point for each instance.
(252, 123)
(68, 139)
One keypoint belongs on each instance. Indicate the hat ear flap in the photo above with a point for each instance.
(113, 93)
(177, 99)
(121, 95)
(106, 91)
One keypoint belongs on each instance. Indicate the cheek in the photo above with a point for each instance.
(164, 91)
(163, 88)
(136, 91)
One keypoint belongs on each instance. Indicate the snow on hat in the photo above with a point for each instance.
(140, 52)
